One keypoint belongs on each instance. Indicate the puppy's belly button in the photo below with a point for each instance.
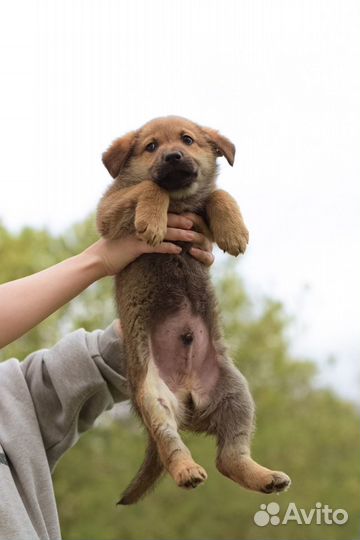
(183, 352)
(187, 337)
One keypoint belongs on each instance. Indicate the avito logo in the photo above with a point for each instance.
(320, 515)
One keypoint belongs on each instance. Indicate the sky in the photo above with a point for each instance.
(281, 79)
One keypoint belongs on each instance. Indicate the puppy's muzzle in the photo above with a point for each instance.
(175, 171)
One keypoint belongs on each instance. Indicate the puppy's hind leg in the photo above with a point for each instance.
(160, 410)
(233, 419)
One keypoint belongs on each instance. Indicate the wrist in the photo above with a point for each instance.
(93, 263)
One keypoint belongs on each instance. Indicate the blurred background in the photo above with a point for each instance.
(282, 80)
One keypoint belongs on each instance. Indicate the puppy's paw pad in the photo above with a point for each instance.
(279, 482)
(190, 476)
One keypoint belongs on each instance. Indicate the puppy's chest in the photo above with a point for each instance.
(194, 203)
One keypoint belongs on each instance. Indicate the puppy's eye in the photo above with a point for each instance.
(151, 147)
(187, 140)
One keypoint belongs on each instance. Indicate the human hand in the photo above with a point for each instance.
(202, 241)
(114, 255)
(181, 229)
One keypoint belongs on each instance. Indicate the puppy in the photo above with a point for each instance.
(179, 372)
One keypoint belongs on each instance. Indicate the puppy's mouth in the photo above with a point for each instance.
(174, 177)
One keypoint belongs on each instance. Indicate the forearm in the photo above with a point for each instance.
(26, 302)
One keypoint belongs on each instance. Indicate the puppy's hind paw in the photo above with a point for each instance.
(249, 474)
(189, 475)
(280, 482)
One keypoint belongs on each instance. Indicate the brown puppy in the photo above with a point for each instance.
(178, 369)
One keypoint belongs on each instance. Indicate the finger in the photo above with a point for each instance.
(198, 239)
(179, 222)
(199, 223)
(174, 234)
(206, 244)
(201, 241)
(205, 257)
(165, 247)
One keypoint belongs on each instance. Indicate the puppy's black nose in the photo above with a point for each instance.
(172, 157)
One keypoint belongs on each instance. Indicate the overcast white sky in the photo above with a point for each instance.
(280, 78)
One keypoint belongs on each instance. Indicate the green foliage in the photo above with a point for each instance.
(310, 433)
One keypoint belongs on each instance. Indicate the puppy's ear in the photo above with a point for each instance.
(118, 153)
(221, 145)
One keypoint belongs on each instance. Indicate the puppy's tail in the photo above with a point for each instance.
(150, 471)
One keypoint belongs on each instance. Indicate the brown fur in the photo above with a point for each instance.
(179, 372)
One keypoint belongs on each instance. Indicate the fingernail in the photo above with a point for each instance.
(188, 224)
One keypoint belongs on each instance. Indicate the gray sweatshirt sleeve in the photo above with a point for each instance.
(72, 383)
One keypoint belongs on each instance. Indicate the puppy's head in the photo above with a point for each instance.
(175, 153)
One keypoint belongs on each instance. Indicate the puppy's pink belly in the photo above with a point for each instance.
(184, 354)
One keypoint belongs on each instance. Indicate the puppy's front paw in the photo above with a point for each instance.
(233, 239)
(152, 233)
